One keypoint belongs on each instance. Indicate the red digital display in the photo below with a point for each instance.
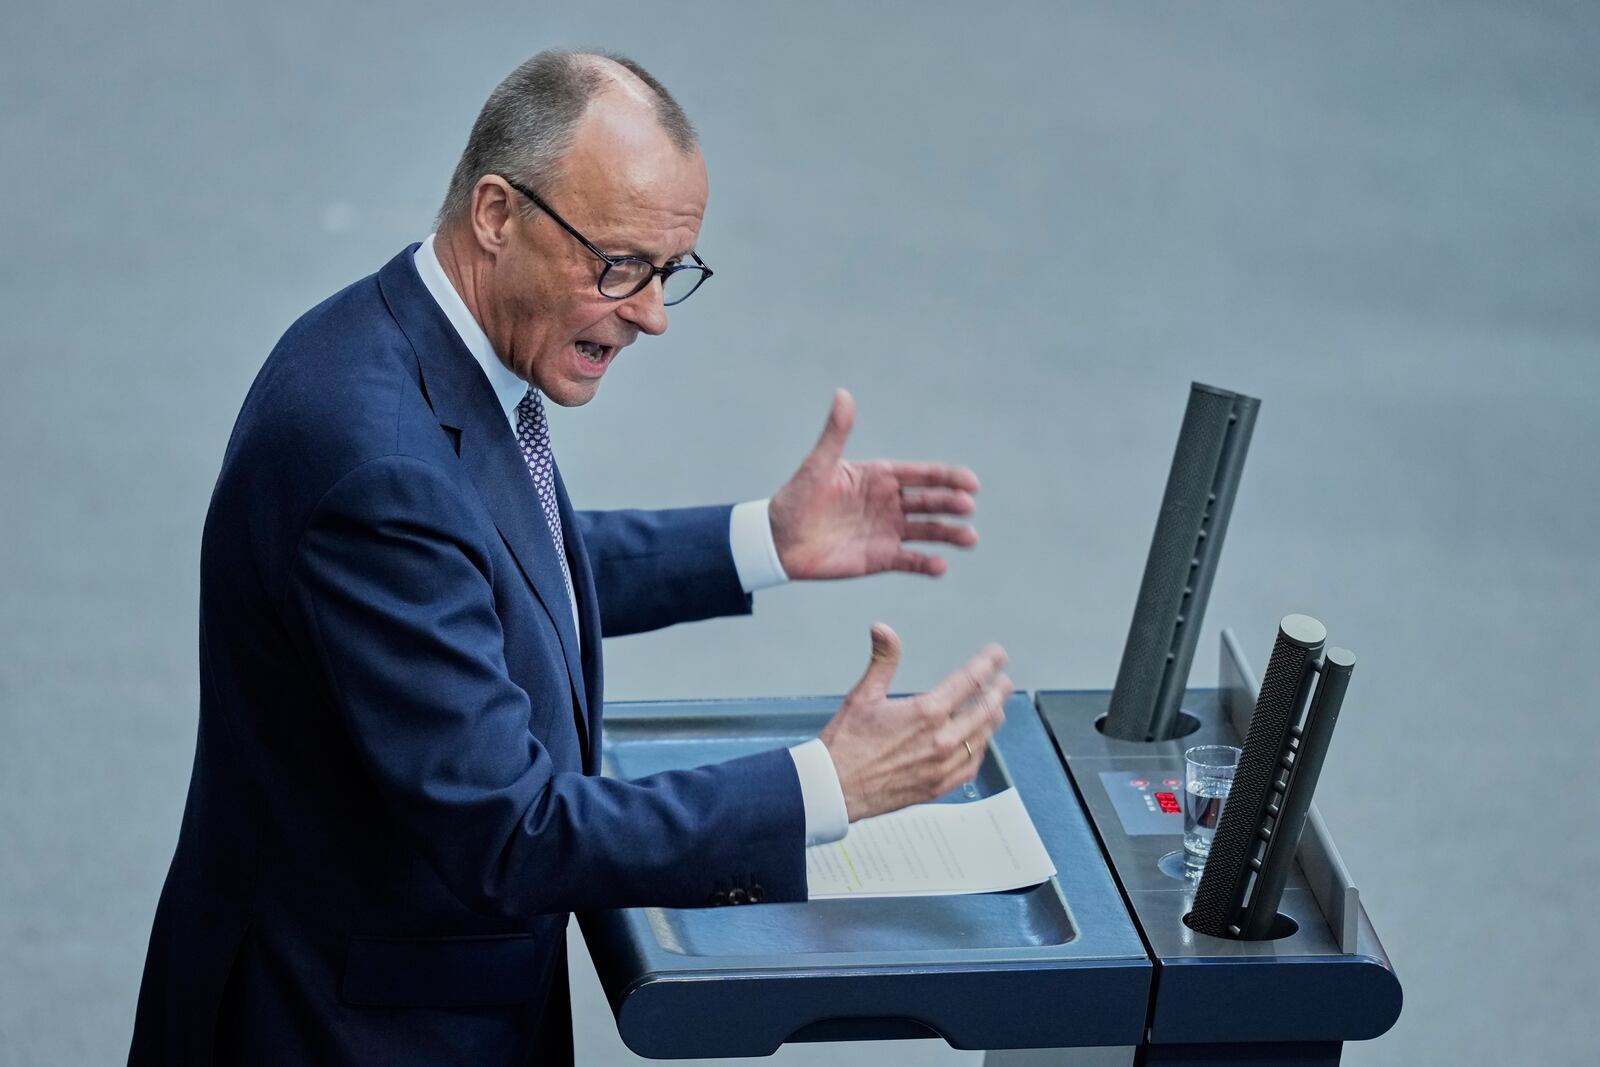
(1168, 803)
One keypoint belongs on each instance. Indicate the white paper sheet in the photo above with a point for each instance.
(983, 846)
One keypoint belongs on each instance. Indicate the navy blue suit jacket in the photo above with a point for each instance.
(394, 804)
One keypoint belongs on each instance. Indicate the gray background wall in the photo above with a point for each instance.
(1017, 235)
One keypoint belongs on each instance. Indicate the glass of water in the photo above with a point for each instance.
(1207, 778)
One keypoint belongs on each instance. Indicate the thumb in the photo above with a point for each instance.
(842, 417)
(885, 660)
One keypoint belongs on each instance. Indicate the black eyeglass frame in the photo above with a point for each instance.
(613, 261)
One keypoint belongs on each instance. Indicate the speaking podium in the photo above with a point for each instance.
(1094, 967)
(1113, 960)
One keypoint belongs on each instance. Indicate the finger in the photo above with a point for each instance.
(967, 767)
(935, 475)
(962, 685)
(841, 418)
(958, 766)
(937, 502)
(986, 704)
(945, 532)
(966, 759)
(918, 563)
(885, 661)
(979, 742)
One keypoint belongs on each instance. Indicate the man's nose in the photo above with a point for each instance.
(645, 310)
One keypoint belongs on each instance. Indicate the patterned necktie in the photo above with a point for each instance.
(533, 434)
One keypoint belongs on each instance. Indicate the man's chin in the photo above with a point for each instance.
(572, 394)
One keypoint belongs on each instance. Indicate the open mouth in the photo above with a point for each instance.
(593, 352)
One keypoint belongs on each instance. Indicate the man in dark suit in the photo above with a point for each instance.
(394, 803)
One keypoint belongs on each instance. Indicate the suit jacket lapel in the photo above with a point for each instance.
(589, 610)
(463, 400)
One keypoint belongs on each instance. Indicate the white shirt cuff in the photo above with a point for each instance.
(755, 556)
(826, 817)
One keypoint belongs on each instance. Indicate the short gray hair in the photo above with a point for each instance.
(529, 121)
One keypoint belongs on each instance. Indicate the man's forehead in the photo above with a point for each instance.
(623, 174)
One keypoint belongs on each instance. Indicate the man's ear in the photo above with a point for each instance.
(492, 214)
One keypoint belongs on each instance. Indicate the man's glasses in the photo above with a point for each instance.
(624, 276)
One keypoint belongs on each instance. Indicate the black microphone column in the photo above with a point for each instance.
(1266, 810)
(1206, 466)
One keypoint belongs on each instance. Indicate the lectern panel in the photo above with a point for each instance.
(741, 981)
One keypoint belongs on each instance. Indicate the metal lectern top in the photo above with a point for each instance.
(1057, 965)
(1327, 979)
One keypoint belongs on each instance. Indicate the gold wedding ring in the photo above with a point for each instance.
(967, 745)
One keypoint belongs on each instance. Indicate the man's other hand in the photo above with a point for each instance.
(892, 752)
(838, 519)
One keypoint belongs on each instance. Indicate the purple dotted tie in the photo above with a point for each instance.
(533, 434)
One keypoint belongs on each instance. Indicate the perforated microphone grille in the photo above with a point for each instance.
(1201, 485)
(1283, 688)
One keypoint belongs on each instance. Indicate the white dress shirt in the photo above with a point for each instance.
(755, 557)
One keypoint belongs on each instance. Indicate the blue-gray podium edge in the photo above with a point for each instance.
(1091, 990)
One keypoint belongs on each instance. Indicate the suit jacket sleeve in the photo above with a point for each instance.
(657, 568)
(390, 592)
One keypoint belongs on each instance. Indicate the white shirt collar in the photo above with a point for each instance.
(508, 388)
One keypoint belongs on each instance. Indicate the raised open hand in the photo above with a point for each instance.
(890, 752)
(840, 519)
